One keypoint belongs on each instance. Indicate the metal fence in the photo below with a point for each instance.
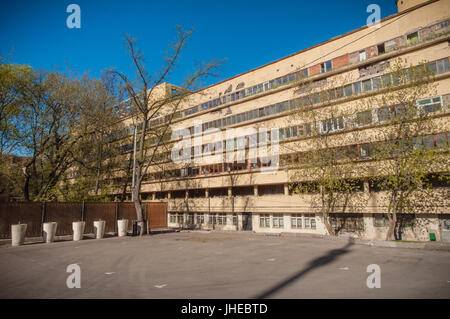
(34, 214)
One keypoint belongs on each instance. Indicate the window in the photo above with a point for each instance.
(377, 83)
(235, 220)
(291, 77)
(190, 219)
(362, 55)
(430, 105)
(180, 218)
(380, 220)
(364, 118)
(357, 87)
(310, 221)
(367, 85)
(412, 38)
(173, 218)
(432, 67)
(383, 114)
(381, 48)
(304, 73)
(443, 65)
(326, 67)
(347, 222)
(367, 150)
(294, 131)
(333, 124)
(222, 220)
(264, 220)
(428, 141)
(277, 189)
(200, 218)
(281, 134)
(213, 219)
(405, 220)
(296, 221)
(386, 80)
(441, 140)
(278, 221)
(348, 90)
(243, 191)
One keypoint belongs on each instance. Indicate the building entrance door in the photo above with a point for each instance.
(444, 225)
(246, 221)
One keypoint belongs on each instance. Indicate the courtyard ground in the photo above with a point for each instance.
(221, 265)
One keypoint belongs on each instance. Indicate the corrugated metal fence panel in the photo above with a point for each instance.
(64, 214)
(157, 214)
(29, 213)
(127, 211)
(100, 211)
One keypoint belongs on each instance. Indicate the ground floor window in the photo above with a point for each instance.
(180, 218)
(222, 219)
(200, 218)
(173, 218)
(380, 220)
(190, 219)
(213, 219)
(405, 220)
(278, 221)
(235, 220)
(296, 221)
(264, 220)
(347, 222)
(310, 221)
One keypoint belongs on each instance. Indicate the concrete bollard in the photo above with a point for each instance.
(122, 227)
(49, 231)
(99, 228)
(78, 230)
(18, 234)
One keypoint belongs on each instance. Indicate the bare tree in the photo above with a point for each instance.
(149, 103)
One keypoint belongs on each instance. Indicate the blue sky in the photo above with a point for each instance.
(247, 33)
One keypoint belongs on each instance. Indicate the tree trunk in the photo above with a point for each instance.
(138, 206)
(391, 229)
(328, 227)
(26, 188)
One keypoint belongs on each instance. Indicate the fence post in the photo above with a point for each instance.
(42, 218)
(82, 211)
(146, 216)
(116, 217)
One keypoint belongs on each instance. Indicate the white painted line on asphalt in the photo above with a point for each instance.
(109, 273)
(344, 268)
(271, 259)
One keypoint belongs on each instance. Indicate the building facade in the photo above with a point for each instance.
(252, 190)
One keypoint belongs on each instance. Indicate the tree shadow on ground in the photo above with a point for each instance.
(326, 259)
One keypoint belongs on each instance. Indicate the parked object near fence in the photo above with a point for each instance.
(49, 230)
(122, 225)
(35, 214)
(99, 228)
(78, 230)
(18, 234)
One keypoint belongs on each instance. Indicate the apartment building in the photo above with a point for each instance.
(229, 187)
